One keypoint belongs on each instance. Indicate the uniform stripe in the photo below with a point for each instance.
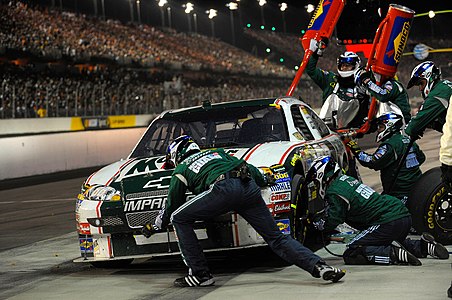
(190, 202)
(364, 233)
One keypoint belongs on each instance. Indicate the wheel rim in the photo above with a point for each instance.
(443, 211)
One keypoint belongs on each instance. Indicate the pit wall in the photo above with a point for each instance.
(29, 155)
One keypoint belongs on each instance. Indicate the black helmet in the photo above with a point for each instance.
(181, 148)
(322, 172)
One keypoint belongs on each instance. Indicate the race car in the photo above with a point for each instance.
(283, 134)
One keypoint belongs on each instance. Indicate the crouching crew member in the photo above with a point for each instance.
(223, 183)
(383, 220)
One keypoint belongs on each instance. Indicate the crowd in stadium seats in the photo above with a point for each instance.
(51, 33)
(120, 57)
(27, 94)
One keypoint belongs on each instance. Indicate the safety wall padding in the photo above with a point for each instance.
(48, 153)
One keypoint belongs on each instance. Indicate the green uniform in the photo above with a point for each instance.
(331, 84)
(433, 110)
(359, 205)
(391, 91)
(386, 159)
(197, 172)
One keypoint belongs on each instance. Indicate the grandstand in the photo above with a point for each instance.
(58, 64)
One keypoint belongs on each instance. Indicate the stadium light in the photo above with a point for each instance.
(131, 10)
(168, 10)
(189, 7)
(161, 4)
(431, 14)
(268, 50)
(232, 6)
(139, 11)
(261, 4)
(310, 8)
(282, 8)
(212, 13)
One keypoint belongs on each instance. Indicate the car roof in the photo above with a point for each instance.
(211, 110)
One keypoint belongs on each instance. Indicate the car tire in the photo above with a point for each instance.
(431, 206)
(299, 232)
(113, 264)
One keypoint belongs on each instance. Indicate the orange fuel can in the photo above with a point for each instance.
(390, 40)
(323, 21)
(321, 26)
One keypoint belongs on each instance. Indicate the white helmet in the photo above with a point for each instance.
(428, 71)
(350, 58)
(392, 123)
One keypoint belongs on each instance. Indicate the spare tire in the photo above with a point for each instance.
(431, 206)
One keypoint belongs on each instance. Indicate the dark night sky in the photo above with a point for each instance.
(296, 16)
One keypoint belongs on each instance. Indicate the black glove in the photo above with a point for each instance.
(354, 147)
(361, 76)
(270, 178)
(446, 176)
(149, 229)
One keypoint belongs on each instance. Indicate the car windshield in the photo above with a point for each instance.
(227, 127)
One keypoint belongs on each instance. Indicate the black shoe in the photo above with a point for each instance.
(431, 247)
(328, 273)
(401, 256)
(202, 279)
(449, 291)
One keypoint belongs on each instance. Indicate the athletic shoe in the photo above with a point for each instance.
(431, 247)
(202, 279)
(401, 256)
(328, 273)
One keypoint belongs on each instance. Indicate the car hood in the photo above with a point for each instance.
(260, 155)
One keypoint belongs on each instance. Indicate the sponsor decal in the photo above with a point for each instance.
(145, 195)
(86, 245)
(144, 204)
(84, 228)
(280, 186)
(294, 159)
(394, 52)
(281, 207)
(280, 197)
(431, 208)
(158, 183)
(319, 15)
(283, 225)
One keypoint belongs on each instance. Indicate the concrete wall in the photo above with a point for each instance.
(48, 125)
(42, 154)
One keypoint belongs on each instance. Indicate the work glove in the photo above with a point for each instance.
(354, 147)
(446, 176)
(318, 47)
(149, 229)
(268, 175)
(319, 224)
(361, 77)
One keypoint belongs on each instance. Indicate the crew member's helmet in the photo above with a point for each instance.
(322, 172)
(388, 124)
(181, 148)
(348, 59)
(427, 73)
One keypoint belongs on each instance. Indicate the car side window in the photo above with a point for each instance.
(300, 123)
(319, 124)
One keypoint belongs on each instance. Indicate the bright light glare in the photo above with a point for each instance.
(262, 2)
(232, 5)
(188, 7)
(162, 3)
(431, 14)
(283, 6)
(212, 13)
(310, 8)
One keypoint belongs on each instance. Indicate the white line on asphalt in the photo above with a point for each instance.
(37, 200)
